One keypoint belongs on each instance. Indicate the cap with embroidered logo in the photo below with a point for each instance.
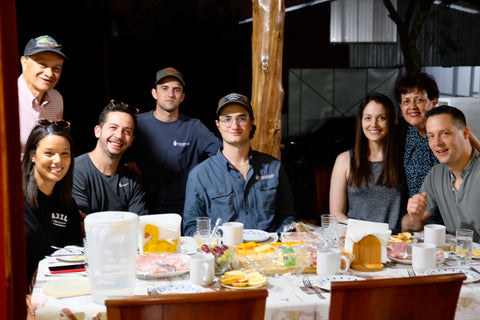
(235, 98)
(42, 44)
(169, 72)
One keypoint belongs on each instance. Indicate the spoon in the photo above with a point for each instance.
(219, 220)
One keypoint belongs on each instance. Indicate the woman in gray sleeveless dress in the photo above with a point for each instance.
(368, 181)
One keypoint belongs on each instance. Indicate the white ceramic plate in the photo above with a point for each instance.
(255, 235)
(272, 239)
(399, 260)
(180, 288)
(242, 288)
(325, 281)
(159, 275)
(178, 261)
(472, 276)
(77, 258)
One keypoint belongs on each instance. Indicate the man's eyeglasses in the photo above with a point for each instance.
(227, 121)
(60, 124)
(115, 103)
(407, 102)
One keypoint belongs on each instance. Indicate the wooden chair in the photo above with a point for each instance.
(322, 186)
(231, 305)
(423, 297)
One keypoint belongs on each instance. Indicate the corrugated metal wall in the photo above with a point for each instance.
(462, 27)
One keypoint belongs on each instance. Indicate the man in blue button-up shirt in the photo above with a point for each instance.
(238, 184)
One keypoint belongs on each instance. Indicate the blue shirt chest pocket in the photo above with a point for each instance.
(221, 203)
(266, 194)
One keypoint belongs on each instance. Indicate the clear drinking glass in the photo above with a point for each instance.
(203, 225)
(463, 246)
(329, 227)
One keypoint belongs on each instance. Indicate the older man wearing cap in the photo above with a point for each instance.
(169, 144)
(42, 63)
(238, 184)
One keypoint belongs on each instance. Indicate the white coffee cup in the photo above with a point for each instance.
(424, 256)
(435, 234)
(329, 262)
(202, 269)
(232, 233)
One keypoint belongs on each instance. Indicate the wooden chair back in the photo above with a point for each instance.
(231, 305)
(423, 297)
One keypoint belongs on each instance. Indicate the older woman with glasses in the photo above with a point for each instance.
(416, 94)
(51, 215)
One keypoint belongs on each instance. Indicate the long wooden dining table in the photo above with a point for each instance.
(288, 297)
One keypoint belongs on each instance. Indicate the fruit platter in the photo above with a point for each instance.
(223, 256)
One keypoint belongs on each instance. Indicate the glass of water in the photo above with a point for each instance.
(329, 228)
(463, 246)
(203, 225)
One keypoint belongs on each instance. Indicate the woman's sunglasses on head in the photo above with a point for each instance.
(62, 124)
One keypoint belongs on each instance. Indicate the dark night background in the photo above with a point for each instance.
(116, 47)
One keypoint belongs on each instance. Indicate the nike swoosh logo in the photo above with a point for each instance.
(122, 185)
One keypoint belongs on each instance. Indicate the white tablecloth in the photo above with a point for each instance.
(287, 298)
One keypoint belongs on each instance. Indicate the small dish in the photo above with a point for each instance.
(76, 258)
(471, 275)
(178, 289)
(255, 235)
(242, 288)
(400, 260)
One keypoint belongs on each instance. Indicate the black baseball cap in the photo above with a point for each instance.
(235, 98)
(41, 44)
(169, 72)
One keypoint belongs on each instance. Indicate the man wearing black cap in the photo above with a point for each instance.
(42, 63)
(238, 184)
(169, 144)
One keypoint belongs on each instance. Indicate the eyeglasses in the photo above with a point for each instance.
(227, 121)
(407, 102)
(59, 124)
(116, 103)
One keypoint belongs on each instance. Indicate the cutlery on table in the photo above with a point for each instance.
(308, 284)
(75, 251)
(474, 270)
(411, 273)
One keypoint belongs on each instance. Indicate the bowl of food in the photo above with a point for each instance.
(223, 256)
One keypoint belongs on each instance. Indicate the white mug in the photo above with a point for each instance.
(434, 233)
(424, 256)
(232, 233)
(329, 262)
(202, 269)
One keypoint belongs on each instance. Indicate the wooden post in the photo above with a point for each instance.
(267, 88)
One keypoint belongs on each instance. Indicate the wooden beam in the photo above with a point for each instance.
(267, 87)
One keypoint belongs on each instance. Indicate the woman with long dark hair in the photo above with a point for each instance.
(368, 181)
(51, 215)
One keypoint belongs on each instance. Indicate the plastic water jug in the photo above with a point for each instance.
(111, 253)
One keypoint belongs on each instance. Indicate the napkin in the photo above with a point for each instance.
(160, 233)
(358, 229)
